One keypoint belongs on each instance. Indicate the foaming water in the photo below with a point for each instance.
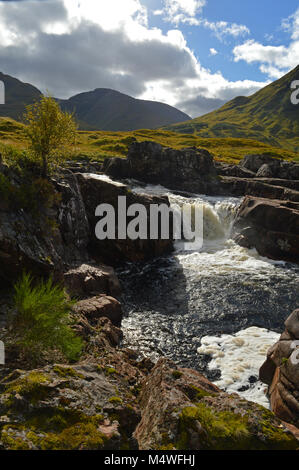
(213, 307)
(239, 358)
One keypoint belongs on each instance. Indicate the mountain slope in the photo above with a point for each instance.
(101, 109)
(17, 96)
(267, 116)
(110, 110)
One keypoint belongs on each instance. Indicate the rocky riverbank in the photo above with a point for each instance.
(112, 398)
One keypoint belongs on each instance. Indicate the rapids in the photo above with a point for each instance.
(216, 309)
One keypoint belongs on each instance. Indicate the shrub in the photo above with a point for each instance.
(42, 321)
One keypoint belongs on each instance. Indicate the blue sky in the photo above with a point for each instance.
(193, 54)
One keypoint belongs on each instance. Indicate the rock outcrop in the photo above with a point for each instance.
(270, 226)
(95, 191)
(265, 166)
(180, 409)
(281, 372)
(189, 169)
(44, 243)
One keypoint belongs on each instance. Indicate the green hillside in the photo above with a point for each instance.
(267, 116)
(98, 145)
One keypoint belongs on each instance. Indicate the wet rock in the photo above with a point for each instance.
(270, 226)
(280, 372)
(181, 409)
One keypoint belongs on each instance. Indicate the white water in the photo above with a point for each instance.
(237, 356)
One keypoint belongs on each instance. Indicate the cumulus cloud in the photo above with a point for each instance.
(68, 47)
(189, 12)
(213, 51)
(275, 60)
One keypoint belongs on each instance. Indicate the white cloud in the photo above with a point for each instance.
(67, 49)
(213, 51)
(223, 28)
(179, 10)
(275, 60)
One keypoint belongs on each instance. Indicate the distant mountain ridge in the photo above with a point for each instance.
(267, 116)
(100, 109)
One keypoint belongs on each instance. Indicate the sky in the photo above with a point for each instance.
(192, 54)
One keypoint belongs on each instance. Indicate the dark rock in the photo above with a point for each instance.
(189, 169)
(270, 226)
(95, 191)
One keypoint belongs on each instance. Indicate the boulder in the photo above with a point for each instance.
(86, 280)
(182, 410)
(255, 162)
(270, 226)
(280, 372)
(96, 190)
(97, 307)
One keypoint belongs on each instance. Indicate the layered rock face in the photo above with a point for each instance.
(189, 169)
(271, 226)
(281, 372)
(44, 244)
(95, 191)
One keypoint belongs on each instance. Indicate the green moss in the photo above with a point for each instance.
(13, 442)
(196, 394)
(115, 400)
(83, 436)
(64, 371)
(226, 430)
(110, 371)
(33, 386)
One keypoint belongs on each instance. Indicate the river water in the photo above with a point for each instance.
(216, 309)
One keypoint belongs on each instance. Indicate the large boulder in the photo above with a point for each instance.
(281, 372)
(182, 410)
(86, 280)
(99, 306)
(270, 226)
(189, 169)
(97, 190)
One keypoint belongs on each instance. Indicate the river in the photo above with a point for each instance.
(217, 309)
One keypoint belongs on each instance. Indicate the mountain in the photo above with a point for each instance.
(101, 109)
(110, 110)
(17, 96)
(267, 116)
